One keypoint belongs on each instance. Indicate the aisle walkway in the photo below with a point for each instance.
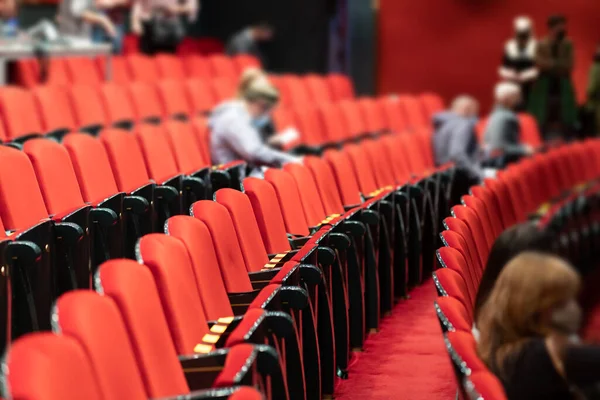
(407, 359)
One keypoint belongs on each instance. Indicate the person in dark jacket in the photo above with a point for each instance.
(593, 91)
(248, 41)
(552, 99)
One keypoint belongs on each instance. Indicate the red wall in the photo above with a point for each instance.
(455, 46)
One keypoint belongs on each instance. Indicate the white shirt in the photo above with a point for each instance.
(234, 138)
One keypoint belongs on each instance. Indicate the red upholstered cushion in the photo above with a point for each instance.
(287, 268)
(454, 311)
(238, 360)
(251, 317)
(246, 393)
(45, 365)
(453, 285)
(95, 321)
(463, 343)
(264, 296)
(487, 386)
(21, 202)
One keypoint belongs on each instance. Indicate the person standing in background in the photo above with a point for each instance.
(518, 61)
(159, 23)
(593, 92)
(248, 41)
(9, 25)
(78, 18)
(115, 11)
(552, 99)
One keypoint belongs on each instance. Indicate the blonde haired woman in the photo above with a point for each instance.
(235, 125)
(527, 327)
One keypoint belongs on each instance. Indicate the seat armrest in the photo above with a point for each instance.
(305, 149)
(350, 207)
(105, 217)
(326, 256)
(69, 232)
(136, 204)
(355, 228)
(287, 256)
(201, 370)
(24, 251)
(297, 242)
(294, 296)
(369, 217)
(340, 241)
(221, 393)
(240, 301)
(165, 193)
(220, 179)
(310, 274)
(283, 273)
(236, 171)
(196, 186)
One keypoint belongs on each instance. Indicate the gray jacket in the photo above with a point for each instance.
(503, 132)
(234, 138)
(243, 43)
(454, 141)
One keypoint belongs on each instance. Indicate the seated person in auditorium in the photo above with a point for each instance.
(235, 126)
(526, 236)
(527, 331)
(454, 139)
(266, 127)
(518, 61)
(503, 132)
(249, 40)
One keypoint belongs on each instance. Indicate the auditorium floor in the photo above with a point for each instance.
(406, 359)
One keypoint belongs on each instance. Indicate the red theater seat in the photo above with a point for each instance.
(19, 112)
(197, 67)
(29, 376)
(87, 108)
(83, 70)
(143, 68)
(222, 66)
(54, 109)
(245, 61)
(170, 67)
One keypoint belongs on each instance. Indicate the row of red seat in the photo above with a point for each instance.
(57, 109)
(470, 232)
(332, 243)
(123, 69)
(195, 84)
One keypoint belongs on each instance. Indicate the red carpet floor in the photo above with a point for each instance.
(406, 359)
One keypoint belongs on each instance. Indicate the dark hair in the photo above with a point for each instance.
(526, 236)
(555, 20)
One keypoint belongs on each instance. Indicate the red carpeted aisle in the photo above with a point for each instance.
(406, 359)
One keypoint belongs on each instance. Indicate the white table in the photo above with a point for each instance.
(16, 50)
